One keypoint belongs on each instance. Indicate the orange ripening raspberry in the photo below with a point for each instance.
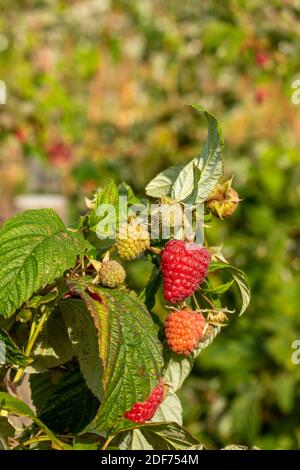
(184, 329)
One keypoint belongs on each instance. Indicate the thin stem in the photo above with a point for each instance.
(33, 326)
(112, 249)
(34, 332)
(35, 439)
(107, 442)
(208, 301)
(154, 250)
(19, 374)
(32, 441)
(196, 302)
(106, 256)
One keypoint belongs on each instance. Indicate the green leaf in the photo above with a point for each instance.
(35, 249)
(191, 199)
(86, 446)
(239, 278)
(100, 245)
(53, 345)
(219, 289)
(162, 184)
(83, 336)
(170, 410)
(38, 300)
(41, 388)
(3, 444)
(209, 163)
(88, 441)
(90, 249)
(130, 352)
(6, 429)
(237, 447)
(10, 353)
(198, 447)
(135, 440)
(148, 294)
(178, 368)
(125, 190)
(162, 436)
(18, 407)
(108, 196)
(211, 332)
(71, 406)
(24, 315)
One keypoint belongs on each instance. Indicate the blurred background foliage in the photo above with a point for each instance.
(96, 89)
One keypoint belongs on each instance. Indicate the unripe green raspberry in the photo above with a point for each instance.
(112, 274)
(223, 201)
(132, 240)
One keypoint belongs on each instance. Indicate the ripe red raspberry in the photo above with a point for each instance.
(261, 58)
(184, 329)
(21, 135)
(144, 411)
(261, 94)
(59, 153)
(184, 266)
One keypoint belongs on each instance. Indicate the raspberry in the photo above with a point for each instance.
(184, 329)
(223, 201)
(261, 58)
(184, 266)
(60, 153)
(144, 411)
(261, 94)
(112, 274)
(132, 240)
(21, 135)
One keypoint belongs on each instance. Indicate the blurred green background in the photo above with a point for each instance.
(97, 89)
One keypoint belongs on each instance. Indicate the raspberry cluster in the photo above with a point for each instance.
(144, 411)
(184, 266)
(184, 329)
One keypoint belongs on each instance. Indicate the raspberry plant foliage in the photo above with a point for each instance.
(96, 356)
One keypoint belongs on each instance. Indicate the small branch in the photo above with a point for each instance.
(154, 250)
(37, 438)
(33, 326)
(107, 442)
(210, 302)
(196, 302)
(37, 331)
(34, 332)
(32, 441)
